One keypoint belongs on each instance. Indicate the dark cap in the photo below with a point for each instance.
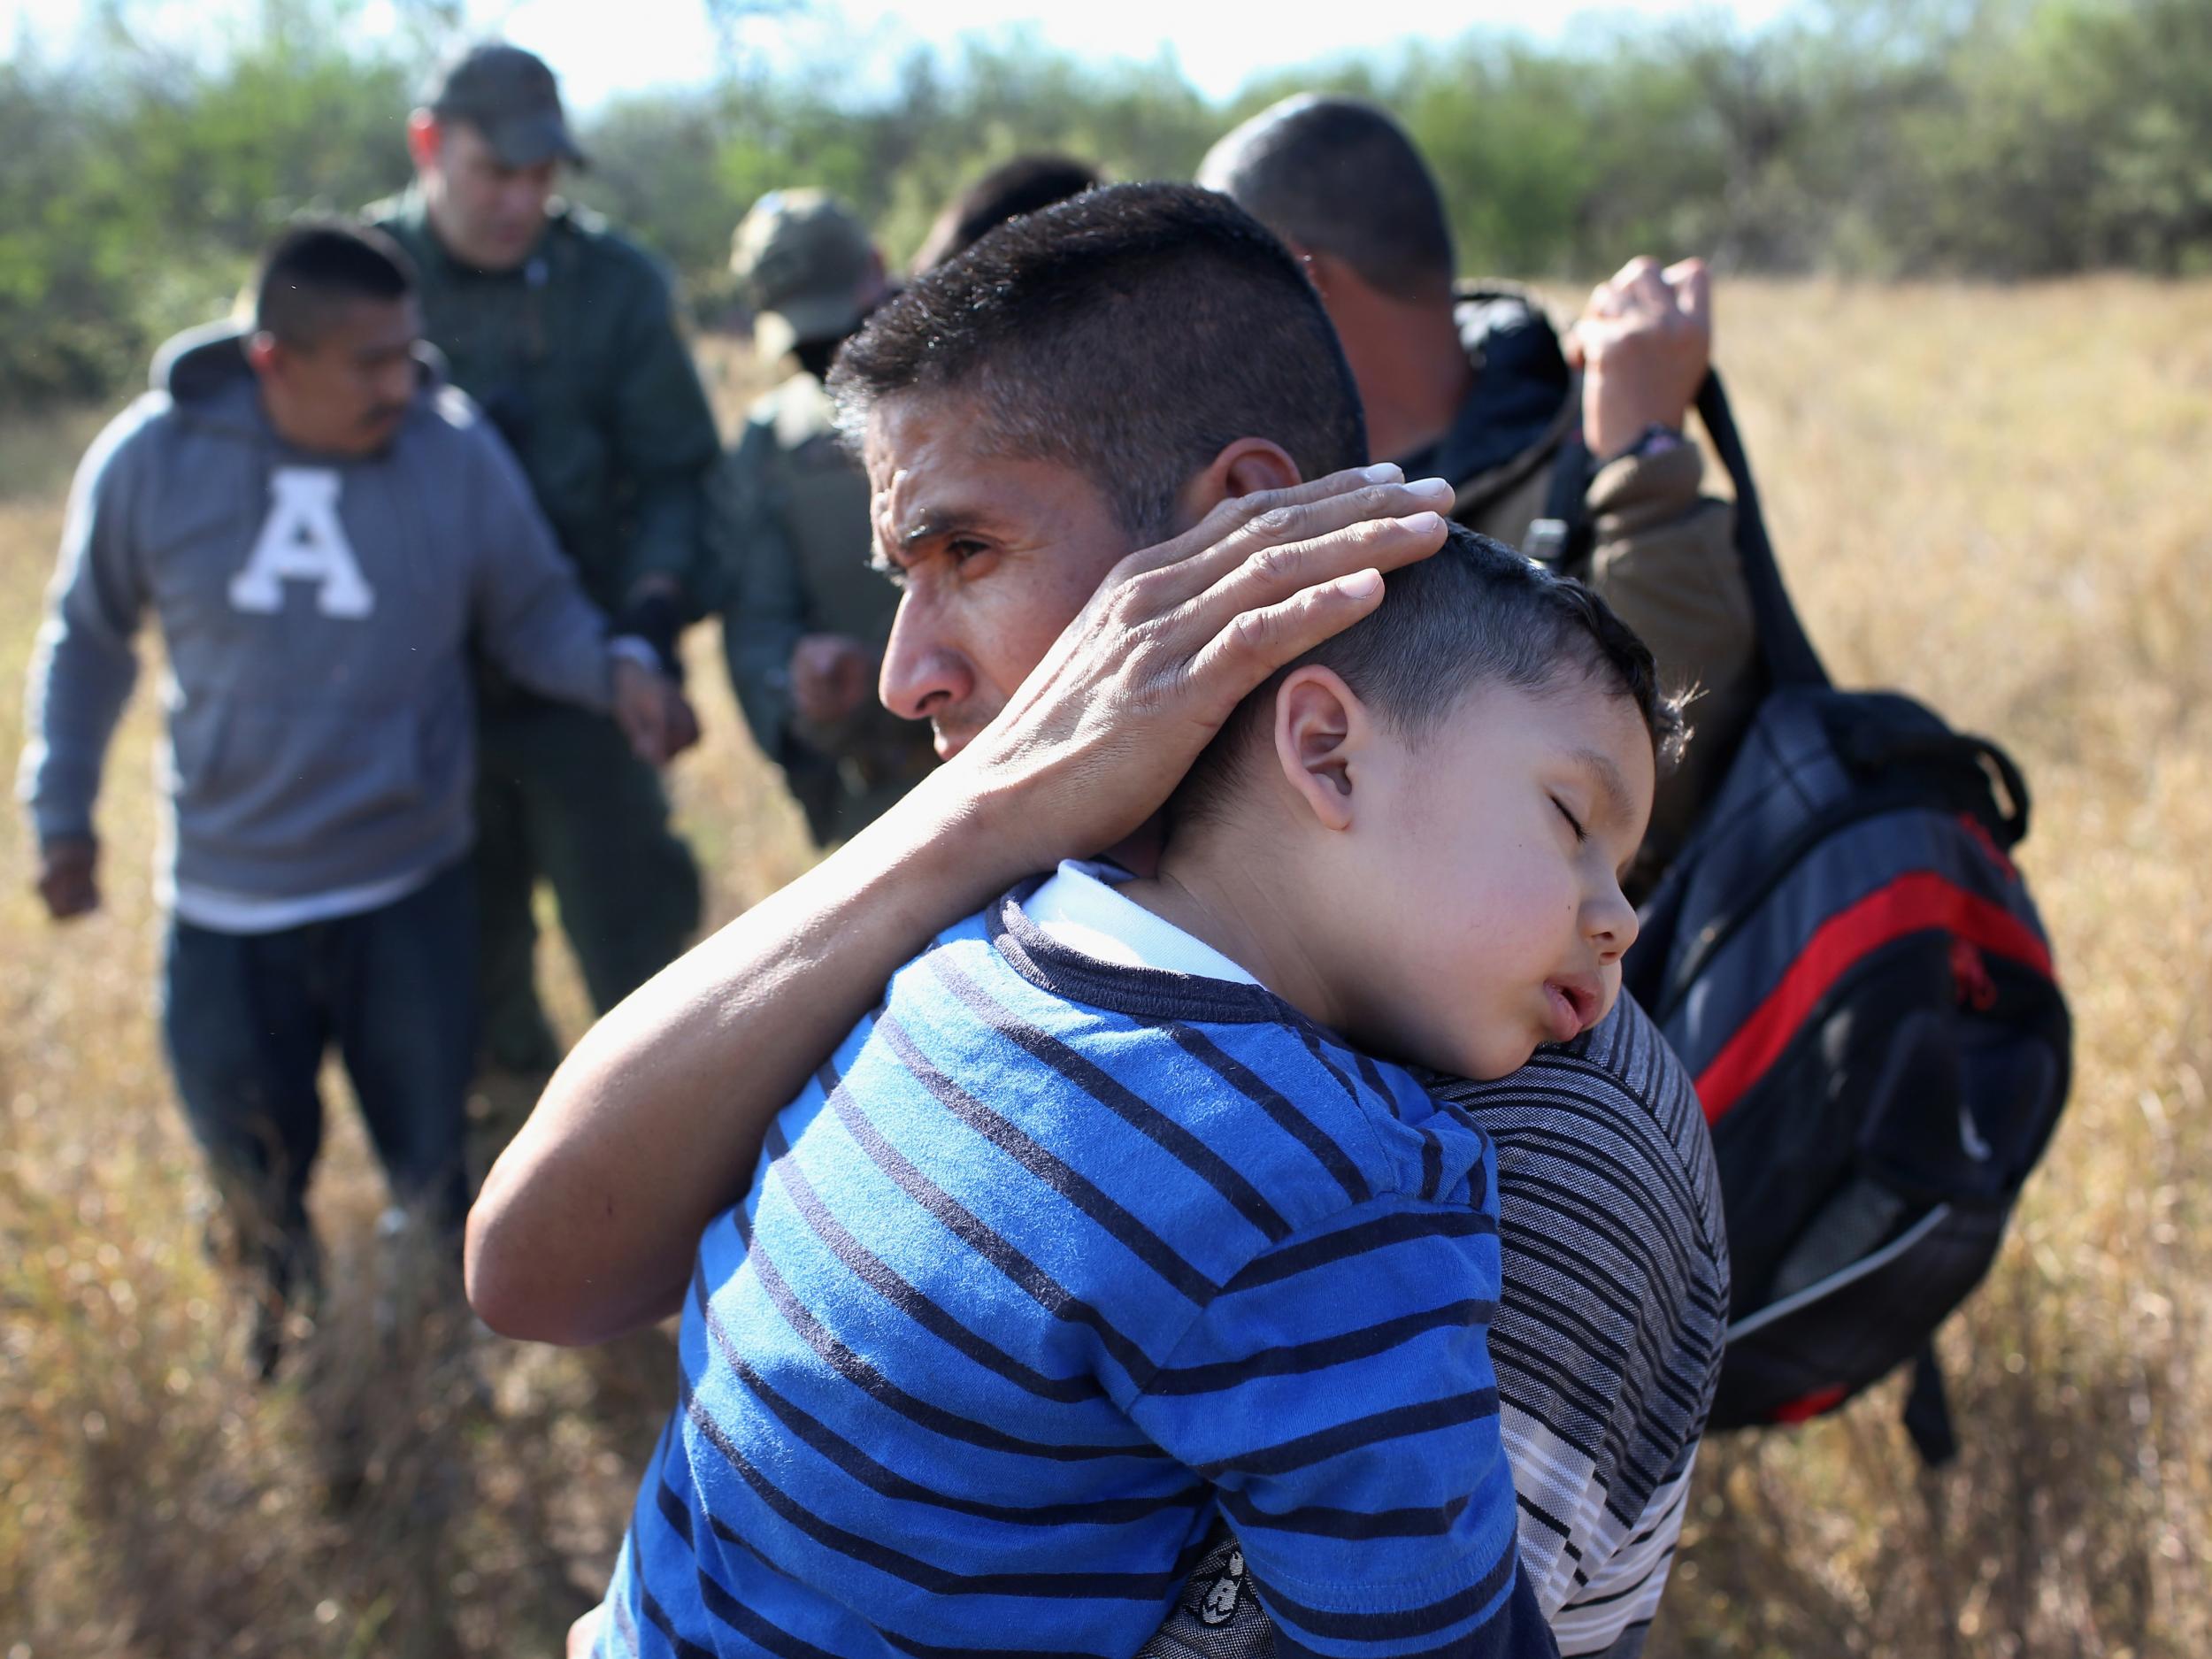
(804, 261)
(509, 95)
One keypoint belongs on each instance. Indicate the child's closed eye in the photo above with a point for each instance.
(1573, 823)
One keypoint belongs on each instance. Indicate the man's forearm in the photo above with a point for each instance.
(587, 1225)
(589, 1222)
(75, 697)
(1665, 560)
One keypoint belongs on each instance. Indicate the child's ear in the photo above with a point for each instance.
(1321, 732)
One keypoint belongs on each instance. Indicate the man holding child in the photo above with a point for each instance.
(1069, 710)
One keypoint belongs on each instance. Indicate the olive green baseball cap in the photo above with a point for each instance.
(509, 95)
(803, 259)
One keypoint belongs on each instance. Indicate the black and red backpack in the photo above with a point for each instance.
(1849, 964)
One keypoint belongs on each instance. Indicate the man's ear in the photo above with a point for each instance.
(1244, 467)
(424, 140)
(264, 352)
(1325, 271)
(1309, 262)
(1322, 732)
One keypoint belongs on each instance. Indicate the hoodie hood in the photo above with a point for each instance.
(1524, 398)
(205, 371)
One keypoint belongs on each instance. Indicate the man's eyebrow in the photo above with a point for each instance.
(931, 523)
(1609, 781)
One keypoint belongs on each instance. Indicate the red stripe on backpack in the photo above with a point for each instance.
(1807, 1406)
(1913, 904)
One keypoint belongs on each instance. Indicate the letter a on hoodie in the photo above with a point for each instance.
(303, 541)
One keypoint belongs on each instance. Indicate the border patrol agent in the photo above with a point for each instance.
(804, 620)
(566, 334)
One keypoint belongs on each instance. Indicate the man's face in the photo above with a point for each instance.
(1480, 892)
(346, 392)
(996, 556)
(487, 213)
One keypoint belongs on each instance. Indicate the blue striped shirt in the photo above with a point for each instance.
(1054, 1263)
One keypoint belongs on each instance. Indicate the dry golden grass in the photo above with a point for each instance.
(1983, 496)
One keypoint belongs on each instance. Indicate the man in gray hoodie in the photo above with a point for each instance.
(321, 528)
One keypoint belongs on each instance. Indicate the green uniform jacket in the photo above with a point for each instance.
(576, 357)
(787, 528)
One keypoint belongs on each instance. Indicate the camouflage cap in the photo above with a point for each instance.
(804, 260)
(511, 97)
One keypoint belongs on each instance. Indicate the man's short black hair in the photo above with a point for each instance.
(1026, 184)
(1339, 176)
(1131, 332)
(320, 265)
(1475, 612)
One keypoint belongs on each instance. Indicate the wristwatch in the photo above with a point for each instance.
(1656, 439)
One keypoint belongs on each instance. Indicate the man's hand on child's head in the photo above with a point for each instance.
(68, 876)
(1097, 737)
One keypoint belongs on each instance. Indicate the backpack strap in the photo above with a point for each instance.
(1562, 537)
(1784, 649)
(1928, 1411)
(1561, 540)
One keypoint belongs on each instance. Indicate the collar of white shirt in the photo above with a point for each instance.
(1079, 908)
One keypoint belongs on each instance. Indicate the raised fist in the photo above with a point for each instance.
(1643, 345)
